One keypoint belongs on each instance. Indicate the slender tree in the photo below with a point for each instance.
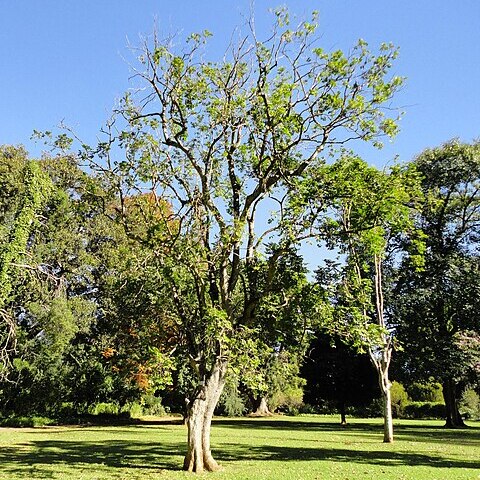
(368, 211)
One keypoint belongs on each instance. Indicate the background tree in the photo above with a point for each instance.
(436, 307)
(338, 377)
(57, 287)
(283, 323)
(22, 201)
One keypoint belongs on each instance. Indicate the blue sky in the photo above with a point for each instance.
(65, 60)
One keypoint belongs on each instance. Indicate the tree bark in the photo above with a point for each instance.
(382, 366)
(387, 415)
(261, 409)
(199, 420)
(381, 359)
(453, 419)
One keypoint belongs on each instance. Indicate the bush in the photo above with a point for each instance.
(425, 410)
(374, 410)
(104, 409)
(288, 401)
(231, 403)
(399, 398)
(324, 407)
(426, 392)
(66, 411)
(152, 405)
(20, 422)
(132, 410)
(470, 404)
(308, 409)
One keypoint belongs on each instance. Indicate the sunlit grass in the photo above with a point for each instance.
(310, 447)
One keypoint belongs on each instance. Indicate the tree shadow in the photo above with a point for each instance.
(235, 452)
(279, 423)
(114, 453)
(411, 432)
(145, 456)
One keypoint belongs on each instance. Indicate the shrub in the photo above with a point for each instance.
(426, 392)
(308, 409)
(231, 403)
(132, 410)
(374, 410)
(323, 407)
(103, 408)
(20, 422)
(66, 411)
(470, 404)
(288, 401)
(152, 405)
(425, 410)
(399, 398)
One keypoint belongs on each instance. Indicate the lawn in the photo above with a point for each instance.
(306, 447)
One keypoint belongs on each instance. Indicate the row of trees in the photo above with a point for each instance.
(174, 260)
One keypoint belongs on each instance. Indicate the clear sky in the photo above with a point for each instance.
(68, 60)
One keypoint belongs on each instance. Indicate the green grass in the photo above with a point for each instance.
(285, 448)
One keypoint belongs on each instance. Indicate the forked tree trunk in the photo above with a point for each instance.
(199, 420)
(261, 409)
(382, 359)
(453, 419)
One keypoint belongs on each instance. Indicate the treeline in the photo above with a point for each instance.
(91, 327)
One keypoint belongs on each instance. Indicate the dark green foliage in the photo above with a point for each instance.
(425, 392)
(435, 310)
(424, 410)
(232, 403)
(55, 301)
(337, 377)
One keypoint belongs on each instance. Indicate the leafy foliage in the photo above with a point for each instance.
(435, 310)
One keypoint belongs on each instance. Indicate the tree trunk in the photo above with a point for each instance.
(261, 409)
(382, 357)
(382, 365)
(199, 421)
(343, 413)
(453, 419)
(387, 416)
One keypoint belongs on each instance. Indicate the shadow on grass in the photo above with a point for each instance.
(233, 452)
(39, 455)
(409, 432)
(81, 454)
(156, 457)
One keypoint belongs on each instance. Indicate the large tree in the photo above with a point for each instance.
(220, 142)
(26, 189)
(436, 310)
(50, 225)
